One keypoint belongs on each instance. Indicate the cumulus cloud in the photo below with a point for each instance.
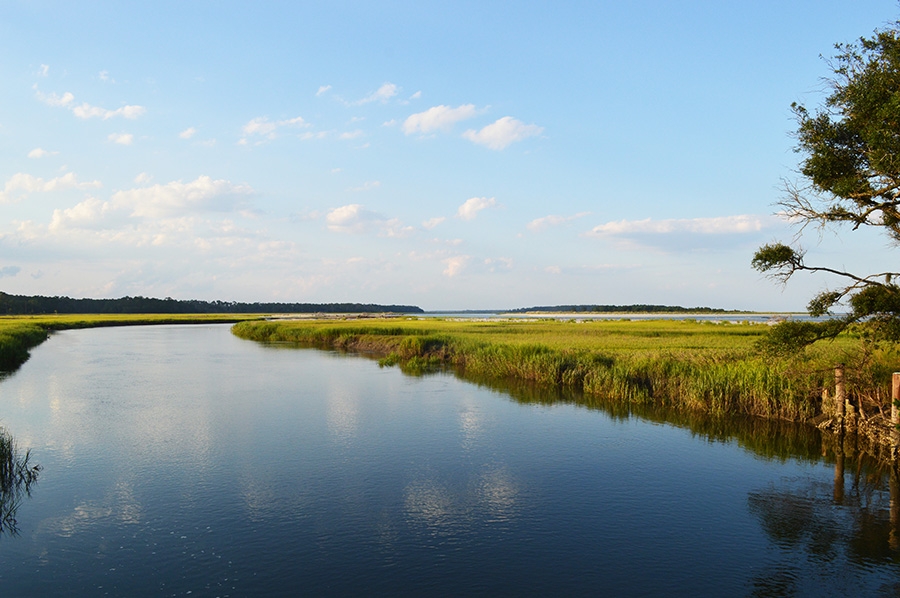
(143, 178)
(539, 224)
(323, 89)
(470, 208)
(188, 133)
(352, 134)
(455, 265)
(355, 219)
(177, 198)
(268, 129)
(85, 111)
(121, 138)
(499, 134)
(438, 118)
(44, 70)
(21, 184)
(352, 218)
(40, 153)
(382, 94)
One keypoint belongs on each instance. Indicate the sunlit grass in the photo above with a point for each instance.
(705, 366)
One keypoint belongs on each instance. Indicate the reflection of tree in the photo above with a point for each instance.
(823, 533)
(17, 476)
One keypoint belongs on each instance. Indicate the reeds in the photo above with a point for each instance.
(700, 366)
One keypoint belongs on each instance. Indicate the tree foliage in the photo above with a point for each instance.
(851, 177)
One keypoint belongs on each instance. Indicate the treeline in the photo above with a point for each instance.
(35, 305)
(638, 308)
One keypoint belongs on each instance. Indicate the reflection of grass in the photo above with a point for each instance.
(703, 366)
(17, 475)
(19, 334)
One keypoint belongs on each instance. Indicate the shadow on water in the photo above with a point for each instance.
(17, 476)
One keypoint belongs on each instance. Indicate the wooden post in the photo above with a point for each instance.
(840, 396)
(895, 415)
(894, 485)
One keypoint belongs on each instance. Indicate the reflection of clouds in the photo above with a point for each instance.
(498, 493)
(492, 497)
(120, 506)
(342, 415)
(470, 425)
(430, 504)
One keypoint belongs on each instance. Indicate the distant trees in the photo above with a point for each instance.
(22, 304)
(851, 172)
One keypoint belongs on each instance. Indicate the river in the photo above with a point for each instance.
(180, 460)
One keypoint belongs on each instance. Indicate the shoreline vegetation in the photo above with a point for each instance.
(714, 367)
(717, 368)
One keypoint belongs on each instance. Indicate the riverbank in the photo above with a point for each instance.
(20, 334)
(711, 367)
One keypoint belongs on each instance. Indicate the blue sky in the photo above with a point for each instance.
(451, 155)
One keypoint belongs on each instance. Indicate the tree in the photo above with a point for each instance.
(851, 177)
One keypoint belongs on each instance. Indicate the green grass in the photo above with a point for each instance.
(702, 366)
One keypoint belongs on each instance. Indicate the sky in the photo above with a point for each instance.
(449, 155)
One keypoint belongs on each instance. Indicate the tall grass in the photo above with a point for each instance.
(701, 366)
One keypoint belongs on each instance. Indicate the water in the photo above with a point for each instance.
(181, 460)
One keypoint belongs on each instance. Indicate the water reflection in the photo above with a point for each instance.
(835, 535)
(17, 476)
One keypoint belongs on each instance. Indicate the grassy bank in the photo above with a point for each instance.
(703, 366)
(19, 334)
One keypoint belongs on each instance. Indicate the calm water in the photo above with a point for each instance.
(181, 460)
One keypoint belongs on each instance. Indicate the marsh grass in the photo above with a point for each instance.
(702, 366)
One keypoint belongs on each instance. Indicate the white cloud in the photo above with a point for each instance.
(121, 138)
(470, 208)
(703, 226)
(143, 178)
(85, 110)
(21, 184)
(433, 222)
(539, 224)
(176, 198)
(352, 218)
(323, 89)
(438, 118)
(416, 95)
(352, 134)
(82, 215)
(44, 70)
(40, 153)
(188, 133)
(455, 265)
(503, 132)
(104, 76)
(52, 99)
(266, 128)
(382, 94)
